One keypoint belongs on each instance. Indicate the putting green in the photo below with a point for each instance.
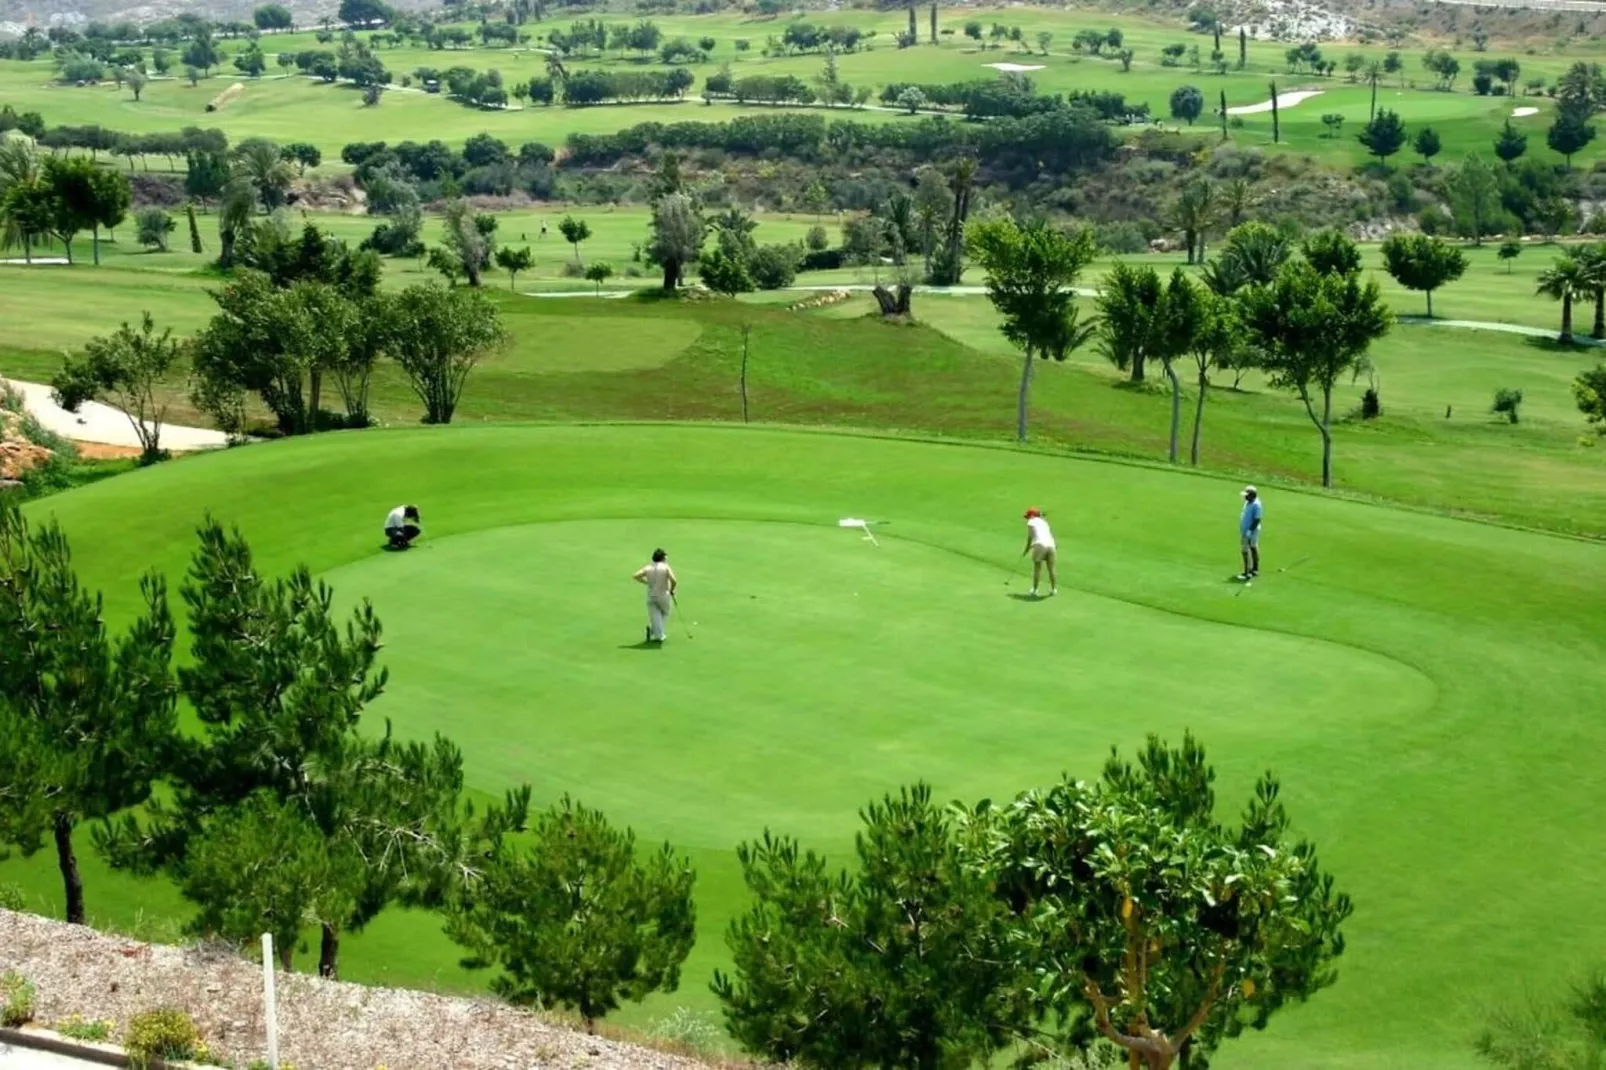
(1427, 689)
(852, 666)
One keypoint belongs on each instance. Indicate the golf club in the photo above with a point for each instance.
(1016, 571)
(684, 623)
(1296, 564)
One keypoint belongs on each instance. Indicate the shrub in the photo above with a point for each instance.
(154, 227)
(1121, 238)
(77, 1028)
(695, 1031)
(1507, 401)
(1434, 221)
(1371, 404)
(166, 1033)
(774, 267)
(573, 270)
(821, 260)
(817, 239)
(11, 898)
(16, 1000)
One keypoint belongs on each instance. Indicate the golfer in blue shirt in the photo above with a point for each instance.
(1249, 533)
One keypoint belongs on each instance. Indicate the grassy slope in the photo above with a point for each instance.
(1424, 686)
(296, 109)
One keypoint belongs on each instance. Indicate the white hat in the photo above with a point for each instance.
(1247, 491)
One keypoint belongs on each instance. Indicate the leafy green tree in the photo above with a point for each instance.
(774, 267)
(577, 917)
(1131, 317)
(574, 232)
(28, 212)
(135, 80)
(513, 261)
(1510, 144)
(75, 190)
(126, 369)
(724, 273)
(911, 99)
(677, 236)
(1031, 272)
(1568, 135)
(1565, 281)
(202, 52)
(272, 17)
(1418, 262)
(1312, 328)
(1331, 252)
(1506, 403)
(1384, 135)
(260, 165)
(1181, 320)
(1426, 143)
(154, 227)
(111, 196)
(440, 335)
(206, 174)
(1135, 905)
(1589, 390)
(1475, 195)
(599, 272)
(1187, 103)
(1509, 251)
(465, 248)
(87, 720)
(899, 963)
(1215, 343)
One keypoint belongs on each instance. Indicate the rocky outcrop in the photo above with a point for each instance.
(18, 455)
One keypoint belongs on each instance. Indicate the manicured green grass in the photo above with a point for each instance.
(1425, 687)
(331, 116)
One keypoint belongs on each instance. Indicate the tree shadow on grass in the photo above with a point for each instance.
(1549, 344)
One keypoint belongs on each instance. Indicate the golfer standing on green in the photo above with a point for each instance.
(660, 581)
(1249, 533)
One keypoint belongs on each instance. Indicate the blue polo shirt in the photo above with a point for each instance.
(1250, 518)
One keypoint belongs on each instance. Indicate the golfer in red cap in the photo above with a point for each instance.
(1040, 544)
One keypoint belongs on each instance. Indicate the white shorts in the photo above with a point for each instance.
(1042, 553)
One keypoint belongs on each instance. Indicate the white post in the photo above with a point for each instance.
(271, 1010)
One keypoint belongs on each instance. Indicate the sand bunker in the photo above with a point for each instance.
(1284, 100)
(1523, 113)
(1015, 68)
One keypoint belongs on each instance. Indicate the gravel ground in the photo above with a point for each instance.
(323, 1025)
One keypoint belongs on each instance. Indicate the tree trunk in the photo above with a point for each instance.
(94, 241)
(1599, 329)
(329, 952)
(1430, 304)
(1137, 368)
(893, 303)
(287, 951)
(1373, 114)
(66, 243)
(1566, 337)
(473, 273)
(1198, 419)
(68, 861)
(746, 332)
(316, 398)
(1025, 392)
(1327, 437)
(1276, 128)
(671, 275)
(1176, 408)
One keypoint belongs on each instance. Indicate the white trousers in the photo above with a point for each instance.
(657, 613)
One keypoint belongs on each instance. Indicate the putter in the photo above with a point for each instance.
(684, 623)
(1296, 564)
(1016, 571)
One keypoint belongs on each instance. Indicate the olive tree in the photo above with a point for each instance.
(439, 335)
(1134, 904)
(1312, 328)
(677, 236)
(128, 369)
(1031, 271)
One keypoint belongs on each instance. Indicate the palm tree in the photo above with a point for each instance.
(1592, 259)
(233, 216)
(1237, 197)
(258, 162)
(18, 167)
(1564, 281)
(1250, 256)
(1194, 213)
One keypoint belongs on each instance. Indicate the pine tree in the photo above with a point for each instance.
(86, 721)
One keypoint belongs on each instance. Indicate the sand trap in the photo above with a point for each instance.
(38, 261)
(1284, 100)
(1523, 113)
(1015, 68)
(95, 422)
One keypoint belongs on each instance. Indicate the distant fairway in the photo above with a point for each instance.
(1427, 688)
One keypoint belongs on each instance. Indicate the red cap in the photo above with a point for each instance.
(1034, 511)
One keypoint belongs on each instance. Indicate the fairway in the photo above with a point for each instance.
(1426, 688)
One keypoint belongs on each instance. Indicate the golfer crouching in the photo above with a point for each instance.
(402, 527)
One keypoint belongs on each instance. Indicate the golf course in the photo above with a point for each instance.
(1423, 686)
